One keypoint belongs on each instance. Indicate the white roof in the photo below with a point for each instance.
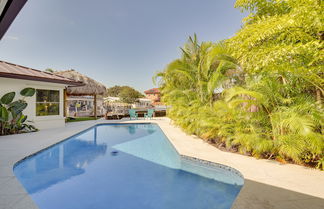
(144, 100)
(112, 99)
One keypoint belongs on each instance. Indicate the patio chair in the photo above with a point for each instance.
(132, 114)
(149, 114)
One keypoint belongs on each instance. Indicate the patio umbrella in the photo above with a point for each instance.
(91, 87)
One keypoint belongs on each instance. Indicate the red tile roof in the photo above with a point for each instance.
(152, 91)
(9, 70)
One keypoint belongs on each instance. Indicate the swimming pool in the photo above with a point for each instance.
(125, 166)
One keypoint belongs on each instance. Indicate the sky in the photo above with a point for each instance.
(116, 42)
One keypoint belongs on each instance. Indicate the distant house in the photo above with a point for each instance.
(46, 107)
(112, 99)
(115, 107)
(114, 104)
(154, 95)
(142, 103)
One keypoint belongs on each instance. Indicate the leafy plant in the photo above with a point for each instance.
(12, 120)
(260, 92)
(320, 164)
(262, 115)
(127, 94)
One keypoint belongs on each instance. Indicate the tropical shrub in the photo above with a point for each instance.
(262, 115)
(260, 92)
(280, 48)
(12, 120)
(283, 38)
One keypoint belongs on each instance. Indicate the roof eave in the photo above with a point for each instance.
(9, 13)
(34, 78)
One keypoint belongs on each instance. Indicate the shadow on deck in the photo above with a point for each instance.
(256, 195)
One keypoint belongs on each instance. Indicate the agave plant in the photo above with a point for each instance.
(12, 119)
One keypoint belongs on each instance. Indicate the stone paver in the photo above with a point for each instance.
(268, 184)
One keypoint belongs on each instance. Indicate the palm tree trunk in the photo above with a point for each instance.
(319, 96)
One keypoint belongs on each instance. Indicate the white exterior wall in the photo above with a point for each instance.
(41, 122)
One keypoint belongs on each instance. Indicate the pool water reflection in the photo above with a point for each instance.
(124, 166)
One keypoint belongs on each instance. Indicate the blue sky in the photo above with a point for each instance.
(117, 42)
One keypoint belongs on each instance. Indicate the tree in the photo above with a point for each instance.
(114, 91)
(271, 72)
(50, 70)
(280, 47)
(283, 38)
(189, 82)
(127, 94)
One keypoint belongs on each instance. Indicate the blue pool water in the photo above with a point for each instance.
(124, 166)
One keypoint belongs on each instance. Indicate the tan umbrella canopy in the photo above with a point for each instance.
(91, 87)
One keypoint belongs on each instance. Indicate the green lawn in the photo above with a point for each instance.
(78, 119)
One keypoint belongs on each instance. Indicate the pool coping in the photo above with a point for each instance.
(292, 194)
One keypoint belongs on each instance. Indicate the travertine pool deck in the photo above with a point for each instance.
(268, 184)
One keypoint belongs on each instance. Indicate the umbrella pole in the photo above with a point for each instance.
(95, 105)
(65, 103)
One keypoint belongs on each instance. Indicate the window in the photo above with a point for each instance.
(47, 102)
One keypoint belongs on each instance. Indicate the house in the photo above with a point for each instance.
(154, 95)
(142, 103)
(46, 108)
(112, 99)
(115, 107)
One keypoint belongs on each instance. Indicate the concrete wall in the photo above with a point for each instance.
(40, 122)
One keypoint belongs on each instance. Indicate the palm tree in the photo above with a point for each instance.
(269, 115)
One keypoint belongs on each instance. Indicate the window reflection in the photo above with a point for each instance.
(47, 102)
